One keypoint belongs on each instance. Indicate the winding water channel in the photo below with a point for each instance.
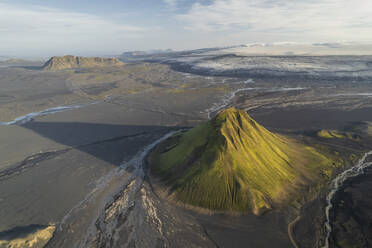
(336, 184)
(28, 117)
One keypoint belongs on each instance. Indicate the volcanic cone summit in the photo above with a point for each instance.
(231, 163)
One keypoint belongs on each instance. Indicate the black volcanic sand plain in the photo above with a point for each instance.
(61, 169)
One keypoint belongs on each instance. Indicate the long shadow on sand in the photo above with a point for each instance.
(107, 142)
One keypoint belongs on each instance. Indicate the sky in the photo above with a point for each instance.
(42, 28)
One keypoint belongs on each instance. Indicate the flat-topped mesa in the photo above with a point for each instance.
(69, 62)
(231, 163)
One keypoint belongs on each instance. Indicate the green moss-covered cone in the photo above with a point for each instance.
(231, 163)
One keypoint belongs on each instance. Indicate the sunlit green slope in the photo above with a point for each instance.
(231, 163)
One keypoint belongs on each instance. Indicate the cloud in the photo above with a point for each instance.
(174, 5)
(335, 19)
(41, 29)
(171, 3)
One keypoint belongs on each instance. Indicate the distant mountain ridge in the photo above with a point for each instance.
(69, 62)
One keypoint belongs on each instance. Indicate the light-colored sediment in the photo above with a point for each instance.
(291, 236)
(33, 239)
